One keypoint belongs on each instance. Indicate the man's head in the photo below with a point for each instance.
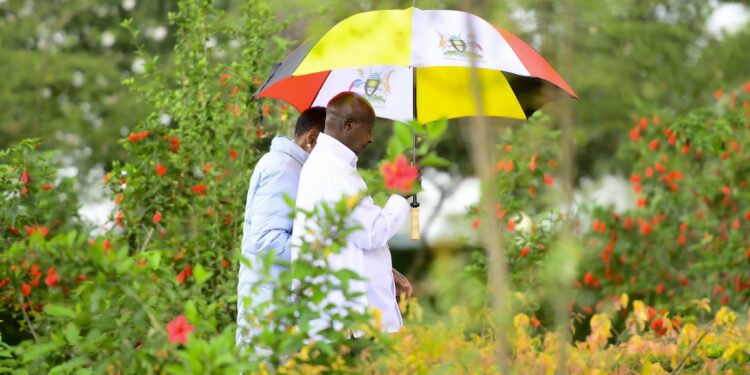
(309, 124)
(349, 119)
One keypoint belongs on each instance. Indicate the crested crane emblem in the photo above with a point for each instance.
(456, 47)
(375, 85)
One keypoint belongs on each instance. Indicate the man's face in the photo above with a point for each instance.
(361, 135)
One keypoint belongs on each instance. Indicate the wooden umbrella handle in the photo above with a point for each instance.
(415, 223)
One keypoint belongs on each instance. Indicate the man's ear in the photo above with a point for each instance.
(348, 123)
(312, 136)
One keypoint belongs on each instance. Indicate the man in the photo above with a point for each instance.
(268, 222)
(330, 174)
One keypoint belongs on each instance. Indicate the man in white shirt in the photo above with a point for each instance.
(330, 174)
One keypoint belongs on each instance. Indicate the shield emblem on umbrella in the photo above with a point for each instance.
(371, 85)
(458, 44)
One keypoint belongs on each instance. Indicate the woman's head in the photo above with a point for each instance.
(309, 124)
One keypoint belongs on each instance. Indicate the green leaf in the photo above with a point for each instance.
(37, 351)
(436, 129)
(59, 311)
(432, 160)
(72, 333)
(201, 275)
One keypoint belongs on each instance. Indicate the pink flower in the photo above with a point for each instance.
(399, 175)
(178, 330)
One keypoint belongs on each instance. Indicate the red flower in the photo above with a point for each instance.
(36, 228)
(160, 170)
(106, 245)
(660, 288)
(25, 179)
(188, 270)
(224, 263)
(634, 135)
(736, 224)
(181, 277)
(588, 278)
(718, 94)
(747, 87)
(199, 189)
(399, 175)
(178, 330)
(645, 229)
(653, 145)
(134, 137)
(532, 163)
(232, 154)
(726, 190)
(649, 172)
(46, 186)
(535, 322)
(157, 217)
(51, 279)
(548, 180)
(174, 144)
(475, 224)
(25, 289)
(642, 202)
(672, 139)
(511, 225)
(681, 240)
(524, 252)
(643, 123)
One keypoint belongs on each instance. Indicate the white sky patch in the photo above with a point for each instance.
(727, 18)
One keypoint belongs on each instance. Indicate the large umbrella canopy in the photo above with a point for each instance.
(416, 64)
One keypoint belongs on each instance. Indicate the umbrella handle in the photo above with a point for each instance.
(414, 219)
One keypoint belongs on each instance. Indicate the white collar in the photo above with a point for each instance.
(337, 149)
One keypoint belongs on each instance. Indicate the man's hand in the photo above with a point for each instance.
(403, 286)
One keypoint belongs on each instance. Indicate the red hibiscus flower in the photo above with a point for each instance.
(399, 175)
(178, 330)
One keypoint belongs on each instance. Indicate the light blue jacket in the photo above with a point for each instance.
(268, 221)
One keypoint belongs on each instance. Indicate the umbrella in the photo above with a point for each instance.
(415, 64)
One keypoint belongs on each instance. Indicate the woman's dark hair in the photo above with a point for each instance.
(312, 118)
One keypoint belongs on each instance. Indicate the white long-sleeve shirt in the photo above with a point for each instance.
(329, 174)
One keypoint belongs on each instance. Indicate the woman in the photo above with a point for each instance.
(268, 221)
